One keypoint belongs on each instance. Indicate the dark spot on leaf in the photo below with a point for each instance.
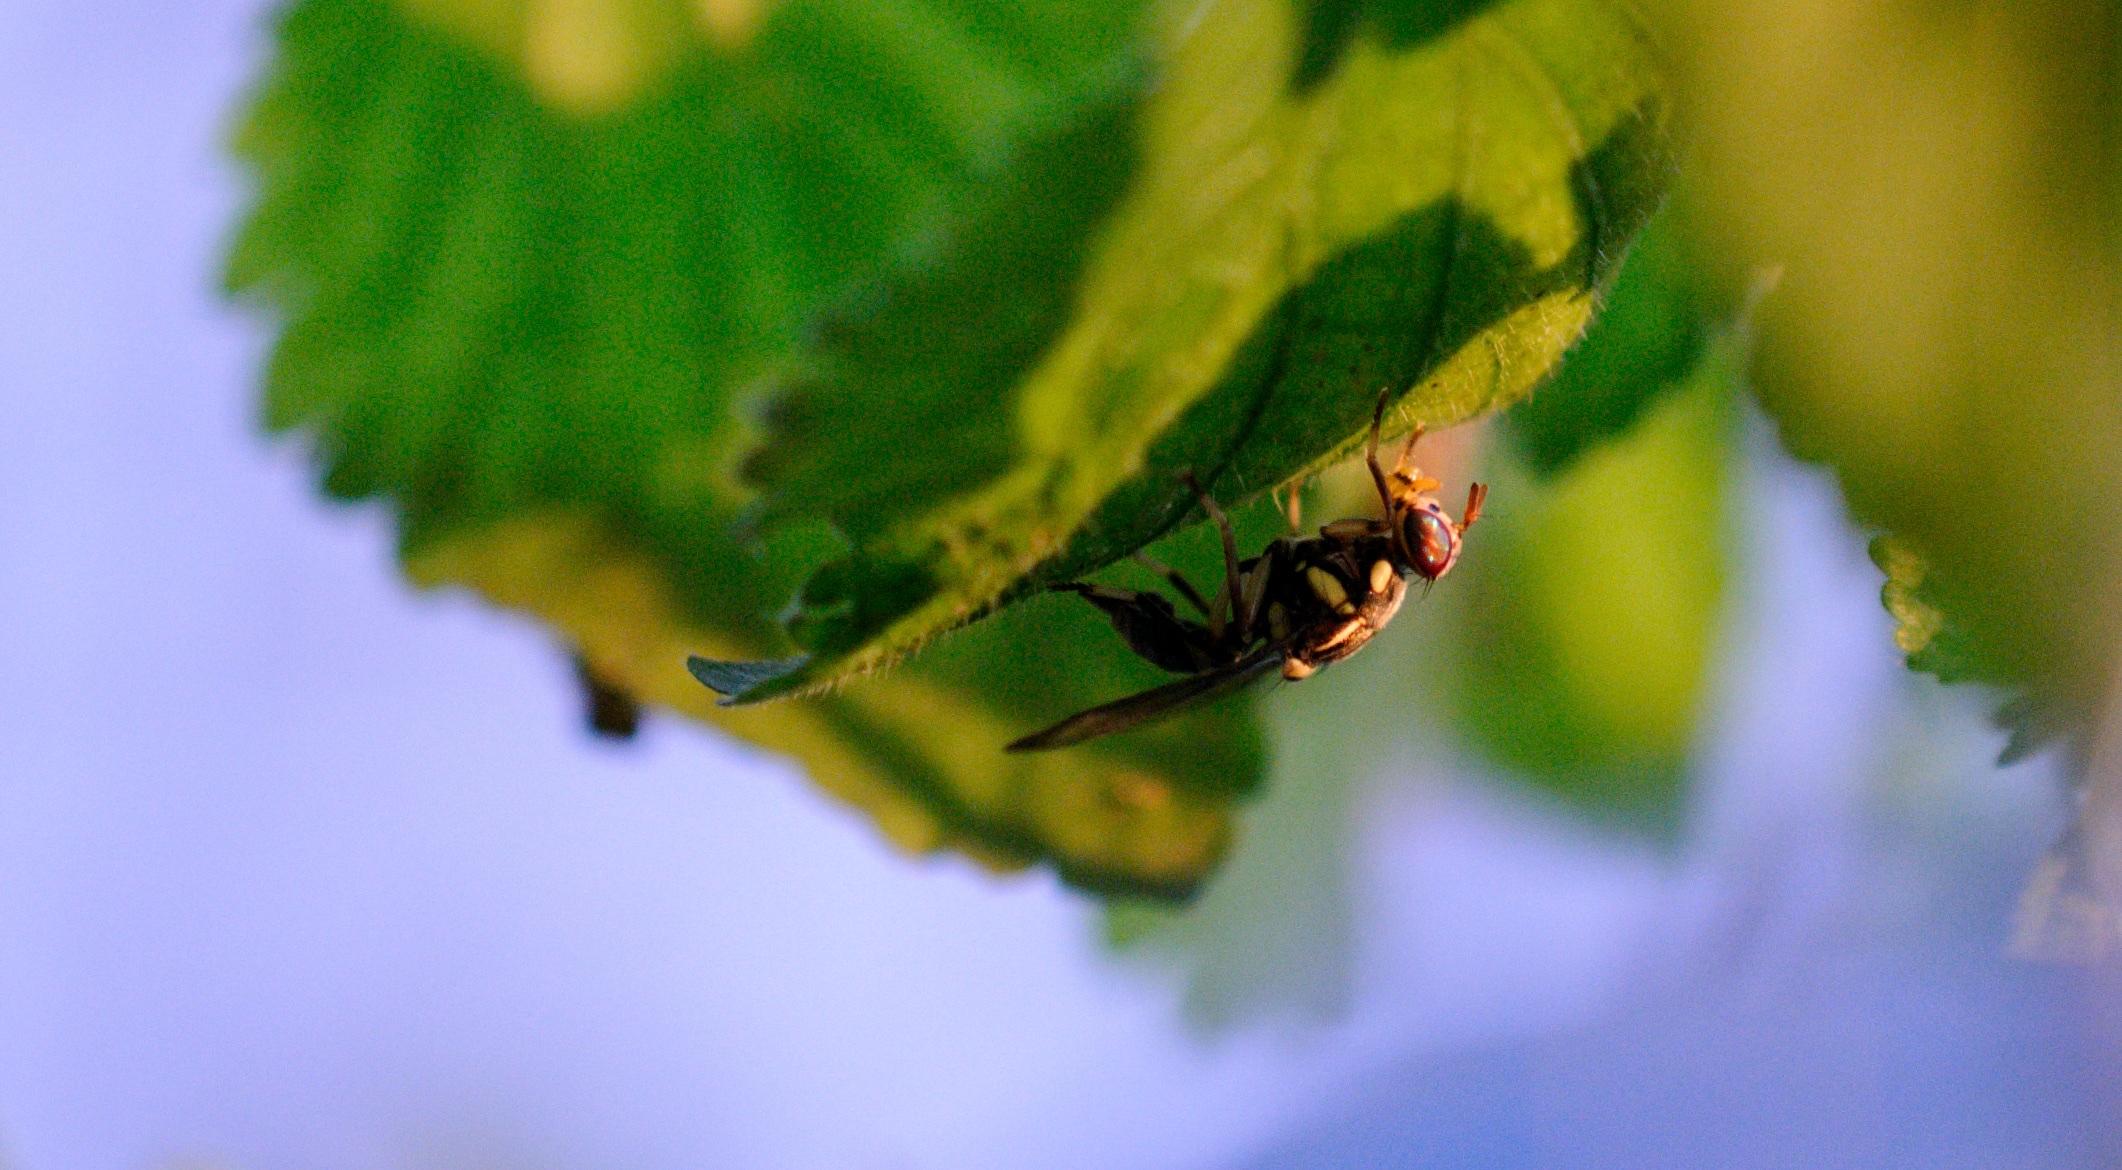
(1329, 26)
(1407, 23)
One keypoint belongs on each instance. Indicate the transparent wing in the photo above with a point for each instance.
(1152, 705)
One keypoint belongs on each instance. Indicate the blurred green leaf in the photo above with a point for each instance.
(901, 309)
(1938, 643)
(1648, 336)
(1945, 336)
(1933, 642)
(1592, 615)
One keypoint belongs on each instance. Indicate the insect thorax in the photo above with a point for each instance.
(1335, 594)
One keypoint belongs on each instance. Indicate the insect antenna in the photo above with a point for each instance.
(1476, 496)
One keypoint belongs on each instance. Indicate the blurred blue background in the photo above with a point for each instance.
(299, 869)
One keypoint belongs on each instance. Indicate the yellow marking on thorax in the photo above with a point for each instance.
(1327, 588)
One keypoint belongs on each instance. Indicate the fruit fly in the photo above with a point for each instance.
(1305, 602)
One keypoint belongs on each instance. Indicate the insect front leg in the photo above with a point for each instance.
(1233, 580)
(1370, 453)
(1404, 467)
(1293, 508)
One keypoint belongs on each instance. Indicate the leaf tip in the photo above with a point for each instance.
(732, 680)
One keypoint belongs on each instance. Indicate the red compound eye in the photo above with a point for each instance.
(1432, 546)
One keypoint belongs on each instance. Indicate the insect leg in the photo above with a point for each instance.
(1405, 463)
(1233, 580)
(1370, 453)
(1178, 581)
(1252, 597)
(1145, 621)
(1293, 507)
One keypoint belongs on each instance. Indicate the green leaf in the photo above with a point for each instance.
(1938, 643)
(1433, 219)
(1648, 336)
(1585, 652)
(531, 333)
(1934, 643)
(1945, 340)
(877, 316)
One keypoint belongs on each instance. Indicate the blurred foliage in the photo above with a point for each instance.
(1585, 651)
(1943, 185)
(655, 319)
(1940, 184)
(1646, 340)
(1938, 643)
(1934, 643)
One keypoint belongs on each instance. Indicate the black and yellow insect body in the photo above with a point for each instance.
(1303, 603)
